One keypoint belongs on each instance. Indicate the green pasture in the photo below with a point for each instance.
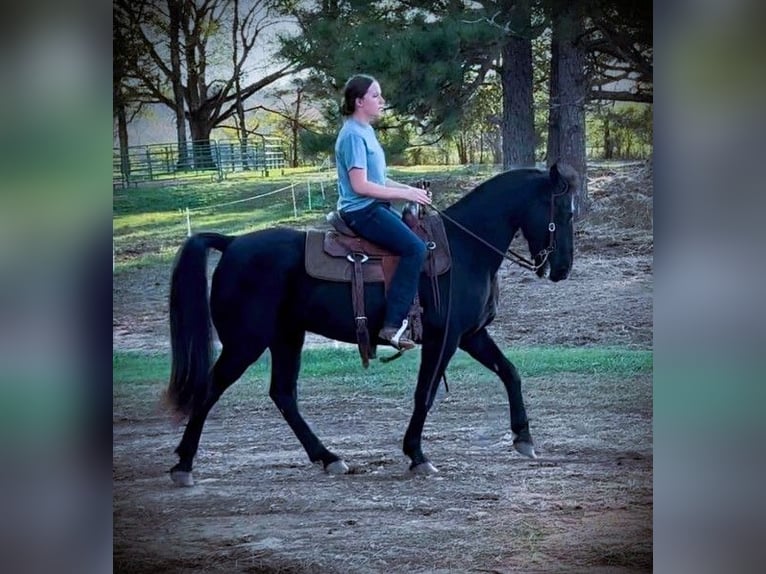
(340, 369)
(150, 222)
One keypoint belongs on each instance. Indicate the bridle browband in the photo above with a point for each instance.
(511, 255)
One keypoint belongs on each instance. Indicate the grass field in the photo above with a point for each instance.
(150, 222)
(340, 368)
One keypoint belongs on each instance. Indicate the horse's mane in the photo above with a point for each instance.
(497, 184)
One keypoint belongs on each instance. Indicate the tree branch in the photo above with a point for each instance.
(622, 96)
(253, 88)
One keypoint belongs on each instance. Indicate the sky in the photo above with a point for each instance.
(158, 124)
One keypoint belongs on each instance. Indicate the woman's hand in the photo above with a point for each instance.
(419, 196)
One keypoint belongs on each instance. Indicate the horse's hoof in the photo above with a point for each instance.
(525, 448)
(181, 478)
(424, 468)
(337, 467)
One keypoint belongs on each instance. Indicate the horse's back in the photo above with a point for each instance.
(277, 247)
(260, 261)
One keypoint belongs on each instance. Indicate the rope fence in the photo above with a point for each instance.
(303, 196)
(293, 187)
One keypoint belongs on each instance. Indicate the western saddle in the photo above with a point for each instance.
(341, 255)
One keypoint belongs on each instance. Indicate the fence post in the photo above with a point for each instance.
(295, 205)
(188, 223)
(218, 160)
(308, 185)
(321, 186)
(149, 163)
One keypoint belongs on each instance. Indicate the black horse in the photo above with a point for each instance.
(261, 298)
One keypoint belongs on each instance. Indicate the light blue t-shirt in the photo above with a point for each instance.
(357, 146)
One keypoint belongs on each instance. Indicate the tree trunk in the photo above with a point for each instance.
(608, 146)
(516, 78)
(201, 148)
(461, 151)
(240, 113)
(497, 147)
(294, 125)
(243, 139)
(122, 134)
(294, 145)
(174, 12)
(568, 85)
(554, 109)
(196, 93)
(242, 129)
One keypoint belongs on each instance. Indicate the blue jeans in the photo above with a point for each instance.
(380, 224)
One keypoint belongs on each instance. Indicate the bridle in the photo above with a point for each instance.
(511, 255)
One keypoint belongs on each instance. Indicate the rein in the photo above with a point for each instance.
(511, 255)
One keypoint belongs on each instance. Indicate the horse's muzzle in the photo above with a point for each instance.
(557, 276)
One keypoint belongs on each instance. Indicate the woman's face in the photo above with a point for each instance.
(371, 104)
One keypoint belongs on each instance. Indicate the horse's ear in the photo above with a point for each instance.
(563, 174)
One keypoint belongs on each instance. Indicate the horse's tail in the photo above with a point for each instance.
(190, 330)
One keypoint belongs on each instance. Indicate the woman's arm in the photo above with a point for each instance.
(391, 191)
(391, 183)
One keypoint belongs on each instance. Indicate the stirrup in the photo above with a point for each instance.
(398, 335)
(395, 339)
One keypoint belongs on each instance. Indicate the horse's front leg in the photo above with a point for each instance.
(482, 348)
(433, 363)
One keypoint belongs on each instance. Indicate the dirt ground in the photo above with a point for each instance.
(259, 506)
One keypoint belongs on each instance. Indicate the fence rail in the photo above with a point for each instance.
(164, 161)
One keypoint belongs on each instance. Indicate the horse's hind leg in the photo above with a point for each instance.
(228, 368)
(285, 365)
(482, 348)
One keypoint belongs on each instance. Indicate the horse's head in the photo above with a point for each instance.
(549, 224)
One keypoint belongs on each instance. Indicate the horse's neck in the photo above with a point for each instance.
(491, 221)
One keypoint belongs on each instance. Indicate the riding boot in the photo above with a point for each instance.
(396, 337)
